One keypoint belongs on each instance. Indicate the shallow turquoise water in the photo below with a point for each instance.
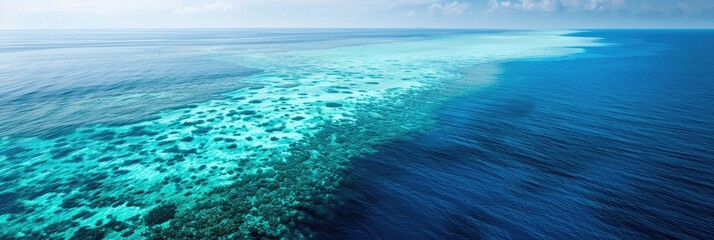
(147, 133)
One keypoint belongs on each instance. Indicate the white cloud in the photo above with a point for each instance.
(602, 5)
(91, 7)
(206, 7)
(553, 5)
(453, 8)
(411, 13)
(332, 13)
(525, 5)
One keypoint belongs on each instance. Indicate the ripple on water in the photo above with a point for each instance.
(260, 159)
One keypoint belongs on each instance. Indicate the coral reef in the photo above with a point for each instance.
(160, 214)
(256, 162)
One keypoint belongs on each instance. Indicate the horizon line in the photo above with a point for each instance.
(358, 28)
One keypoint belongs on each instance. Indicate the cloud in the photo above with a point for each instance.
(525, 5)
(548, 6)
(341, 13)
(206, 7)
(602, 5)
(453, 8)
(411, 13)
(87, 7)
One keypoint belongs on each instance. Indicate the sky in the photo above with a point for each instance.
(487, 14)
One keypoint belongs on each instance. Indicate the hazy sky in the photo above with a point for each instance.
(66, 14)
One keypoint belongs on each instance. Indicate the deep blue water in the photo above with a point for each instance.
(614, 143)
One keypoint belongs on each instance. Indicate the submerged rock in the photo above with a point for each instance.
(333, 105)
(86, 233)
(160, 214)
(248, 112)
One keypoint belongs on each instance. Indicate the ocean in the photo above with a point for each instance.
(356, 134)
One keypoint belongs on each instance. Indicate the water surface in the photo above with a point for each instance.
(355, 134)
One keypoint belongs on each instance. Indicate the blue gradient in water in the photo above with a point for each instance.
(615, 143)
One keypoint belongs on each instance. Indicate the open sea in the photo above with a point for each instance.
(356, 134)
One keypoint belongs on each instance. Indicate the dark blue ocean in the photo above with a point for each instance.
(614, 143)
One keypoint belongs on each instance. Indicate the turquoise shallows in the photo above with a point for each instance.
(257, 160)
